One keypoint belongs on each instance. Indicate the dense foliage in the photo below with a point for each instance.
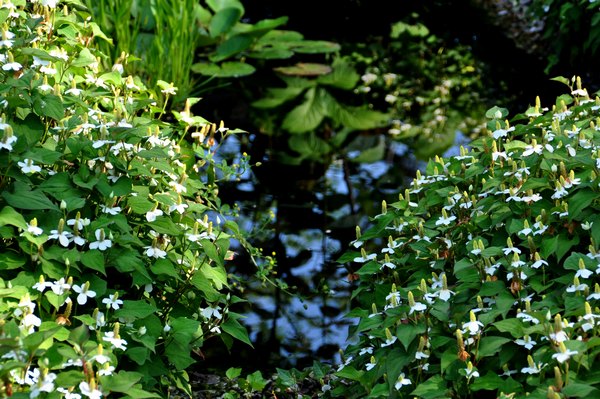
(114, 239)
(481, 277)
(571, 32)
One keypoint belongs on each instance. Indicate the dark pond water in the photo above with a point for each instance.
(312, 220)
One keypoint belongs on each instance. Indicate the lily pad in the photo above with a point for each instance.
(305, 69)
(225, 70)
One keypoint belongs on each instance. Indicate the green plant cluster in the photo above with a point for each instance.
(311, 113)
(482, 279)
(171, 39)
(571, 30)
(114, 241)
(429, 89)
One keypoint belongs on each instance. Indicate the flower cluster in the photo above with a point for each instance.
(114, 240)
(497, 255)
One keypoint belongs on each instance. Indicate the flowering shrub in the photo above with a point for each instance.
(114, 240)
(483, 276)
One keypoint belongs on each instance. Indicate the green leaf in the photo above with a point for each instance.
(165, 225)
(512, 326)
(407, 333)
(579, 390)
(315, 47)
(233, 372)
(122, 381)
(304, 69)
(133, 310)
(372, 154)
(489, 346)
(433, 388)
(49, 105)
(93, 259)
(224, 20)
(23, 198)
(496, 113)
(342, 76)
(11, 217)
(232, 46)
(85, 58)
(225, 70)
(166, 267)
(580, 201)
(306, 116)
(256, 381)
(236, 330)
(276, 97)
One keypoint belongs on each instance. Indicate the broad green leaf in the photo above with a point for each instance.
(233, 372)
(306, 116)
(133, 310)
(496, 113)
(490, 345)
(304, 69)
(580, 201)
(49, 105)
(93, 259)
(232, 46)
(11, 217)
(224, 70)
(256, 381)
(373, 154)
(342, 76)
(236, 330)
(84, 58)
(217, 5)
(23, 198)
(224, 20)
(433, 388)
(165, 267)
(315, 47)
(215, 274)
(276, 97)
(580, 390)
(165, 225)
(512, 326)
(122, 381)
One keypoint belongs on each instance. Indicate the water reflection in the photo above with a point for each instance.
(316, 208)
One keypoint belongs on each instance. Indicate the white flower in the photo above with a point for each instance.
(473, 325)
(15, 66)
(389, 341)
(84, 293)
(530, 149)
(118, 343)
(445, 220)
(155, 252)
(153, 214)
(210, 312)
(368, 78)
(27, 166)
(564, 356)
(111, 211)
(59, 287)
(402, 381)
(35, 230)
(369, 366)
(49, 3)
(112, 301)
(62, 237)
(527, 342)
(78, 223)
(87, 390)
(102, 243)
